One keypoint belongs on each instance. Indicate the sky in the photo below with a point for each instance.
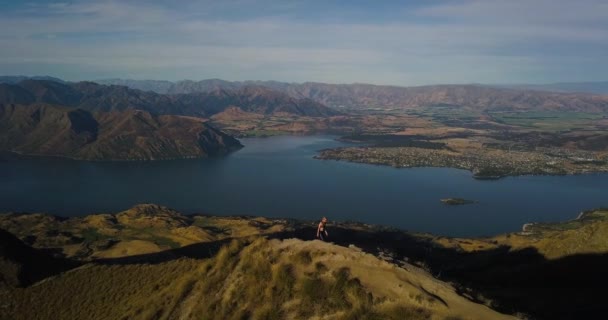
(382, 42)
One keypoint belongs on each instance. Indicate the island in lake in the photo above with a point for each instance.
(456, 201)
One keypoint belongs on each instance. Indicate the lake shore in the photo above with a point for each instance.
(278, 177)
(484, 164)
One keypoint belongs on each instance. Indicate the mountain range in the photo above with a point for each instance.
(86, 120)
(211, 96)
(127, 119)
(478, 97)
(95, 97)
(599, 87)
(186, 86)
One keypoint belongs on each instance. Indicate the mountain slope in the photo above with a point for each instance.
(15, 94)
(41, 129)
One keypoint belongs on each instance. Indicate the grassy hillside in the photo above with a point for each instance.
(586, 234)
(145, 228)
(261, 280)
(266, 273)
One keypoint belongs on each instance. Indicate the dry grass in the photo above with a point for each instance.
(142, 229)
(553, 240)
(97, 292)
(261, 280)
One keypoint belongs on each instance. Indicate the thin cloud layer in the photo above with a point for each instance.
(420, 42)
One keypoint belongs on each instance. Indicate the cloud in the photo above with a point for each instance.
(447, 41)
(529, 12)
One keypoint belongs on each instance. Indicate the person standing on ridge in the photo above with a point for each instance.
(322, 230)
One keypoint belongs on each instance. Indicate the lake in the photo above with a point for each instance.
(278, 177)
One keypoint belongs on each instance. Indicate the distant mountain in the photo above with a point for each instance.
(22, 265)
(89, 96)
(253, 99)
(42, 129)
(477, 97)
(17, 79)
(600, 87)
(95, 97)
(158, 86)
(208, 97)
(179, 87)
(189, 86)
(86, 120)
(466, 96)
(201, 86)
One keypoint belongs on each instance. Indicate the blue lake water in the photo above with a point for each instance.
(278, 177)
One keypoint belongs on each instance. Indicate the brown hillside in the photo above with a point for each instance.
(118, 135)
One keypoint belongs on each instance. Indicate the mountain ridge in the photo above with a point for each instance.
(594, 87)
(96, 97)
(359, 95)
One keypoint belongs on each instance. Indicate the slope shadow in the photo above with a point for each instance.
(521, 281)
(200, 250)
(22, 265)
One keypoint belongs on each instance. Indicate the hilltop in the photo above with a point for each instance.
(370, 271)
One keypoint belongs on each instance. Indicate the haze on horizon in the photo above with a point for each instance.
(381, 42)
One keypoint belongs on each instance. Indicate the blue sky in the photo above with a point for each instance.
(382, 42)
